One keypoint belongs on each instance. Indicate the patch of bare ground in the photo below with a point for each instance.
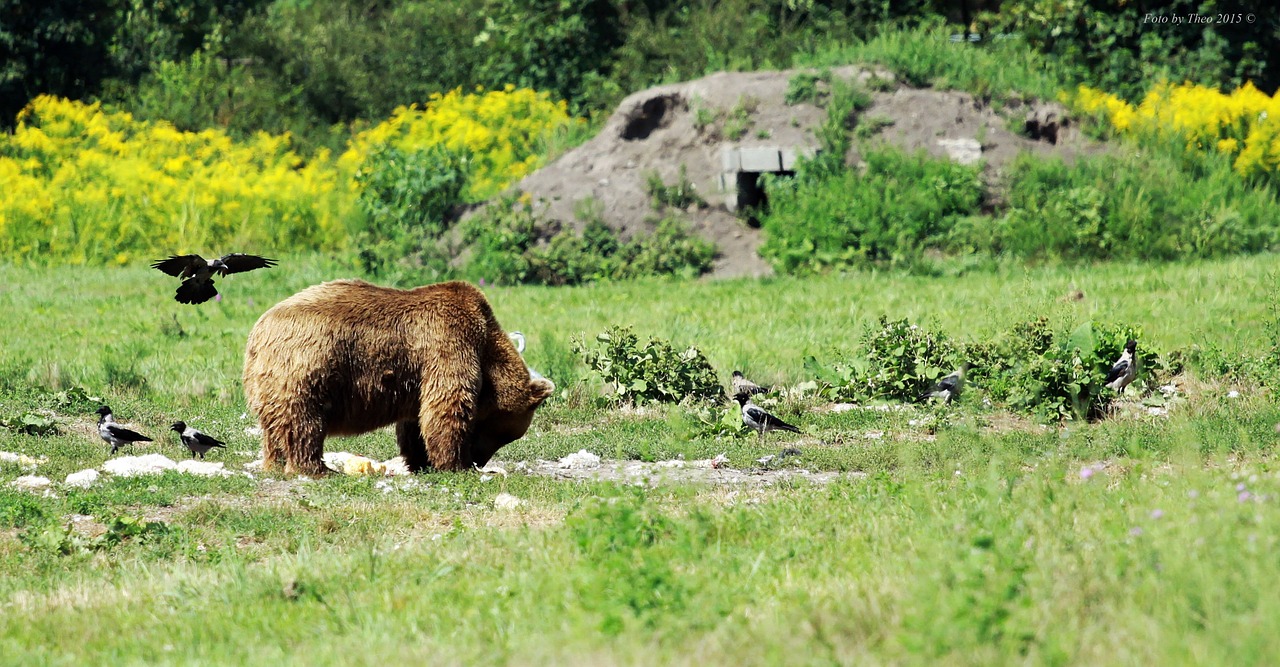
(687, 126)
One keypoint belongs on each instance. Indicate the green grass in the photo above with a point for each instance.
(963, 535)
(926, 57)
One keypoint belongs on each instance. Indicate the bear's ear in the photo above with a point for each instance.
(540, 389)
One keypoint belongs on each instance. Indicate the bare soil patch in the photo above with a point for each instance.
(665, 128)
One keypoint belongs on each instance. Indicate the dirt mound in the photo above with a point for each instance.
(713, 126)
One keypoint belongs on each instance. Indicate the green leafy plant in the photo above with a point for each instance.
(808, 87)
(897, 360)
(653, 371)
(682, 194)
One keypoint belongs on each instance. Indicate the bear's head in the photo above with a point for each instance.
(496, 425)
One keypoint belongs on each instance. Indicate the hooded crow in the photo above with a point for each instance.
(197, 442)
(948, 388)
(117, 436)
(197, 272)
(517, 339)
(1125, 369)
(742, 385)
(763, 422)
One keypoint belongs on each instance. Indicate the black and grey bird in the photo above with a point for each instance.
(948, 388)
(742, 385)
(1125, 369)
(117, 436)
(197, 442)
(197, 272)
(755, 417)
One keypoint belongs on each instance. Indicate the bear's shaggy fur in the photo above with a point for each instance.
(346, 357)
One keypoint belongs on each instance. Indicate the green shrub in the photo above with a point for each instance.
(408, 200)
(1149, 205)
(888, 215)
(810, 87)
(650, 372)
(897, 360)
(510, 243)
(1066, 381)
(1032, 368)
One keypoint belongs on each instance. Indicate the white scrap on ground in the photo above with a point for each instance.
(132, 466)
(579, 459)
(506, 501)
(31, 483)
(395, 467)
(254, 465)
(82, 479)
(353, 464)
(204, 468)
(253, 431)
(21, 460)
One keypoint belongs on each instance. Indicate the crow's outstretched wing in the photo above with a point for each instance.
(180, 265)
(239, 262)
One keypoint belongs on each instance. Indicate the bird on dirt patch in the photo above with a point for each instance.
(117, 436)
(1125, 369)
(197, 442)
(763, 422)
(197, 272)
(948, 388)
(742, 385)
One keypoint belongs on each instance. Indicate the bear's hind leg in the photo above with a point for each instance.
(412, 447)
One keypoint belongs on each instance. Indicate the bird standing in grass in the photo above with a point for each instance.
(763, 422)
(197, 442)
(1125, 369)
(197, 272)
(742, 385)
(948, 388)
(117, 436)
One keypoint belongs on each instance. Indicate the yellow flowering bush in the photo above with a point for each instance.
(498, 131)
(1244, 124)
(81, 185)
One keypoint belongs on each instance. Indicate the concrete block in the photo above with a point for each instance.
(729, 159)
(760, 159)
(963, 151)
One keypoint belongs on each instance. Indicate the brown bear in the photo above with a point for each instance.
(346, 357)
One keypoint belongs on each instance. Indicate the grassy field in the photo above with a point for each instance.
(959, 536)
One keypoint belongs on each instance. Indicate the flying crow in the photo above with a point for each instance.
(1125, 369)
(197, 272)
(197, 442)
(115, 435)
(758, 419)
(948, 388)
(742, 385)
